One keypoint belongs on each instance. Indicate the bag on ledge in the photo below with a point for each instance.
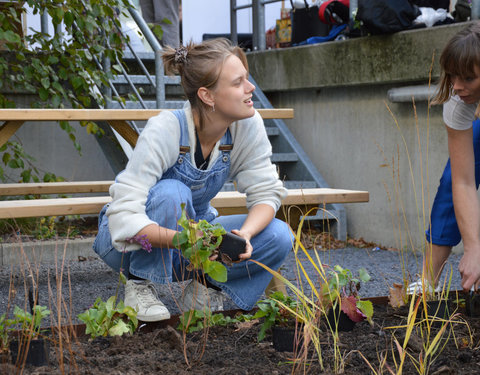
(306, 23)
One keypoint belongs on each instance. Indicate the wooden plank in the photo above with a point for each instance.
(52, 207)
(55, 188)
(8, 129)
(30, 114)
(225, 202)
(297, 196)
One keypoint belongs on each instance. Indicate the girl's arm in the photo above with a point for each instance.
(257, 219)
(466, 203)
(159, 236)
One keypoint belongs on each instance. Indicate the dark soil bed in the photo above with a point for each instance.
(232, 350)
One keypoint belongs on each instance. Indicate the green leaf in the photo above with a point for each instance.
(68, 19)
(43, 93)
(363, 275)
(13, 164)
(45, 82)
(6, 158)
(218, 271)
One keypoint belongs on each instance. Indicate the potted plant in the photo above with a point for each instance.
(339, 295)
(280, 313)
(199, 241)
(29, 347)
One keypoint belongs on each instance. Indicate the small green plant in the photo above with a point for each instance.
(30, 325)
(46, 228)
(109, 318)
(198, 242)
(342, 288)
(196, 320)
(5, 325)
(276, 309)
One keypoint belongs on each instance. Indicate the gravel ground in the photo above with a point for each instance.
(83, 280)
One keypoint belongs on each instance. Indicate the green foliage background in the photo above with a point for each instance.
(62, 69)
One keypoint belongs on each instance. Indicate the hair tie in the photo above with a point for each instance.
(181, 54)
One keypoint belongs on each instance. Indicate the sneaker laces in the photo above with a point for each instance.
(147, 294)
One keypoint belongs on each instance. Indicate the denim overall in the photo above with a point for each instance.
(184, 183)
(444, 228)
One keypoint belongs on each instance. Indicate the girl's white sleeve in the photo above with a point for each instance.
(156, 150)
(251, 166)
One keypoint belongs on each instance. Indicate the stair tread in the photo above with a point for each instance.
(142, 79)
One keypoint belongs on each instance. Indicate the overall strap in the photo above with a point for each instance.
(226, 142)
(182, 119)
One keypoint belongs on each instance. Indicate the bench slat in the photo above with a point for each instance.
(55, 188)
(28, 114)
(224, 202)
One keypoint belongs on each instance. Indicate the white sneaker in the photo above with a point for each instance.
(416, 288)
(197, 296)
(142, 296)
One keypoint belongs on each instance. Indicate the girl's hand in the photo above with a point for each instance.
(248, 247)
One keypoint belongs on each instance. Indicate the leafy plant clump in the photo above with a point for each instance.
(342, 288)
(198, 242)
(196, 320)
(277, 309)
(62, 69)
(30, 324)
(109, 318)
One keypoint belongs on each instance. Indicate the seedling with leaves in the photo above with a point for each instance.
(342, 288)
(196, 320)
(277, 309)
(199, 241)
(109, 318)
(30, 325)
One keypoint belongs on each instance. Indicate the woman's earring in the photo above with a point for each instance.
(213, 107)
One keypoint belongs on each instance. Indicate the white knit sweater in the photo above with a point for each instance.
(157, 150)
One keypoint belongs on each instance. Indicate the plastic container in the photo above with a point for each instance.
(38, 352)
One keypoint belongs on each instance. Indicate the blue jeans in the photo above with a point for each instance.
(444, 228)
(246, 281)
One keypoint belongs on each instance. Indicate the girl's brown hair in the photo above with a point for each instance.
(459, 58)
(200, 65)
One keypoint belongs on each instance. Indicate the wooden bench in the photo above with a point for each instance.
(117, 118)
(225, 202)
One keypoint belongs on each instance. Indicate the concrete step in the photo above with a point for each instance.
(150, 104)
(284, 157)
(143, 80)
(271, 131)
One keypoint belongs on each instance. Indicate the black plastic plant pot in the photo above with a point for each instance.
(287, 339)
(38, 352)
(436, 310)
(472, 305)
(345, 324)
(232, 246)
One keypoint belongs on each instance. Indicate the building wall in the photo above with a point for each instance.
(355, 136)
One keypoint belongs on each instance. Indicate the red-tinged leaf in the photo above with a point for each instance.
(349, 307)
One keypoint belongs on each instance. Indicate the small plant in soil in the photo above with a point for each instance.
(30, 325)
(109, 318)
(199, 241)
(277, 309)
(341, 289)
(196, 320)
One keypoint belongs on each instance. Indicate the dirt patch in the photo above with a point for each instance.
(228, 350)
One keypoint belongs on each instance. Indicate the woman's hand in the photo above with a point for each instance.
(248, 246)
